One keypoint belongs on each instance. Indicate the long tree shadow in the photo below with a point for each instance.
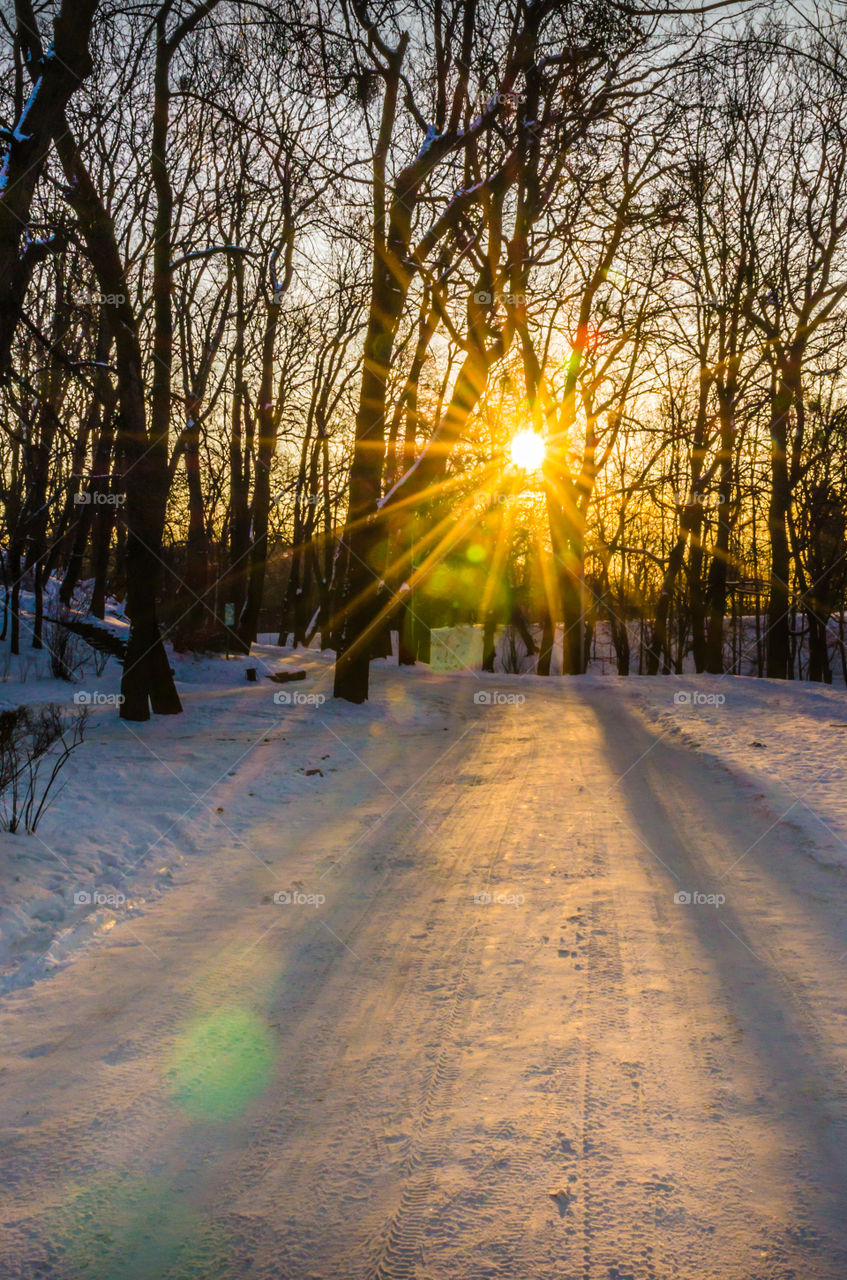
(687, 810)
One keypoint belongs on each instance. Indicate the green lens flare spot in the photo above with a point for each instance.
(220, 1063)
(476, 553)
(135, 1227)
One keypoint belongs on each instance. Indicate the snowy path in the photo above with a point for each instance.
(579, 1078)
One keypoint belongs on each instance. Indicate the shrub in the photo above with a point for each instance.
(35, 745)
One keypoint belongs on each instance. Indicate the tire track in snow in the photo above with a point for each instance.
(320, 1174)
(721, 1207)
(402, 1248)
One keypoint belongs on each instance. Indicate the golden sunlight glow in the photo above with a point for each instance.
(527, 451)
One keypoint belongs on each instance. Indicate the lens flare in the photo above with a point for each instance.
(527, 451)
(220, 1063)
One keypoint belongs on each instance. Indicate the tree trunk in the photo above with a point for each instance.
(146, 674)
(363, 545)
(820, 669)
(548, 639)
(779, 625)
(54, 78)
(658, 640)
(489, 647)
(102, 417)
(716, 589)
(260, 509)
(695, 595)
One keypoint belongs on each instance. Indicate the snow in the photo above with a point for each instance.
(784, 742)
(460, 647)
(432, 135)
(120, 825)
(404, 990)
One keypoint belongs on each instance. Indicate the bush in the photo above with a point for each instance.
(65, 660)
(30, 739)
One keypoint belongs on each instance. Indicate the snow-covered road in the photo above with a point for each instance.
(479, 1037)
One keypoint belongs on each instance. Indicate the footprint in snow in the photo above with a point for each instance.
(562, 1199)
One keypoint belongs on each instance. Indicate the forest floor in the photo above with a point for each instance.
(551, 987)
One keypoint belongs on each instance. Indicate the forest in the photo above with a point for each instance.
(281, 283)
(423, 639)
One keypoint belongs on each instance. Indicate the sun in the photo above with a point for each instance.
(527, 451)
